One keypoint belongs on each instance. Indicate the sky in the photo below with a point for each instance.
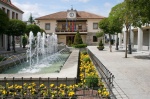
(40, 8)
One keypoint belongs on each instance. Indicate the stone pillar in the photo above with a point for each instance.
(140, 39)
(120, 39)
(124, 39)
(132, 38)
(149, 41)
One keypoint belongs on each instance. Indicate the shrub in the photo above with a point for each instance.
(91, 81)
(78, 39)
(86, 59)
(84, 52)
(79, 45)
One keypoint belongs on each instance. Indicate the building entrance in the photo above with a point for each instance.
(69, 40)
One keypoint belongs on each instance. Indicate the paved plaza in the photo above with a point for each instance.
(131, 74)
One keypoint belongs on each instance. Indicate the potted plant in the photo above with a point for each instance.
(100, 45)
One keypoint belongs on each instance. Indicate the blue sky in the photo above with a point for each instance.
(44, 7)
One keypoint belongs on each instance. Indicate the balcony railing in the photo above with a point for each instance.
(70, 30)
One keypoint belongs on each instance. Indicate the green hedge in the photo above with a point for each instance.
(79, 45)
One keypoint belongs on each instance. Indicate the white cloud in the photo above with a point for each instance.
(28, 8)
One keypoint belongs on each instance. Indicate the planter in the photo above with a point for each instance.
(100, 47)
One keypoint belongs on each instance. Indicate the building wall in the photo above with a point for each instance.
(62, 38)
(90, 25)
(11, 10)
(53, 23)
(145, 38)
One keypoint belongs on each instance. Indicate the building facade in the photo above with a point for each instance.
(139, 37)
(13, 12)
(66, 24)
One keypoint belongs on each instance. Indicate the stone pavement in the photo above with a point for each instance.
(132, 74)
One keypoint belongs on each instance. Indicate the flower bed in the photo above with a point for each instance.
(88, 78)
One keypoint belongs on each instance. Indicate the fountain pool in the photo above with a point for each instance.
(42, 56)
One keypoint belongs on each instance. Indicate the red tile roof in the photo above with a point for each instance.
(11, 5)
(63, 15)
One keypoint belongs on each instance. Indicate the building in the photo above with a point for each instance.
(66, 23)
(139, 37)
(13, 12)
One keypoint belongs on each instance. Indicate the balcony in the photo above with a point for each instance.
(70, 30)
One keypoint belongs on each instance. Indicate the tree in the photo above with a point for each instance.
(4, 20)
(31, 20)
(16, 28)
(114, 19)
(42, 30)
(124, 16)
(78, 39)
(139, 10)
(34, 28)
(104, 24)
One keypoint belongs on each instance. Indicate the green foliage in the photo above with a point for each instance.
(78, 39)
(99, 34)
(16, 27)
(84, 52)
(86, 59)
(4, 21)
(42, 30)
(79, 45)
(139, 11)
(34, 28)
(100, 43)
(31, 20)
(24, 41)
(91, 81)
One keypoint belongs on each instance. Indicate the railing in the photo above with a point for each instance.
(37, 88)
(70, 30)
(106, 75)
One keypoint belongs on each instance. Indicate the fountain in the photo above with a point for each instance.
(42, 52)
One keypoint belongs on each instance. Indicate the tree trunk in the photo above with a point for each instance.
(13, 43)
(110, 43)
(117, 42)
(8, 43)
(126, 41)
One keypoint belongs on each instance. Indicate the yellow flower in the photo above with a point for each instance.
(51, 85)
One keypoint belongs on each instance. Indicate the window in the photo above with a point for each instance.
(16, 15)
(47, 26)
(94, 39)
(95, 25)
(13, 15)
(80, 26)
(8, 13)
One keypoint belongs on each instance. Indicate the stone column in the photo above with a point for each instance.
(149, 41)
(124, 39)
(120, 39)
(132, 38)
(140, 39)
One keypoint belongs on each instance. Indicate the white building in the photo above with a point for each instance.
(13, 12)
(140, 38)
(66, 23)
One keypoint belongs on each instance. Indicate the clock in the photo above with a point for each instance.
(71, 14)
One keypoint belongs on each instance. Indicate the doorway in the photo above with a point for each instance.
(69, 40)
